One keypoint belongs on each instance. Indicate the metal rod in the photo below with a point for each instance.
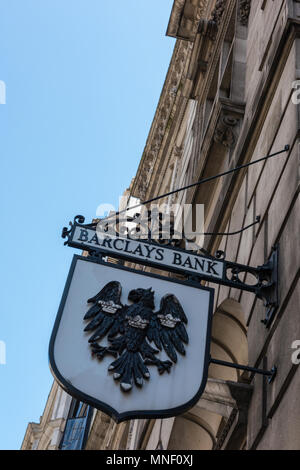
(210, 178)
(230, 234)
(204, 180)
(270, 373)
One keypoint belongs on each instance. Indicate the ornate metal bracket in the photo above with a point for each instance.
(78, 221)
(266, 287)
(269, 292)
(264, 281)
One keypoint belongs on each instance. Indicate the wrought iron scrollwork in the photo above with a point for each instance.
(236, 275)
(66, 232)
(220, 255)
(142, 230)
(78, 221)
(265, 287)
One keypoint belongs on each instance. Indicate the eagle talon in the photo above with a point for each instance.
(164, 366)
(101, 352)
(101, 355)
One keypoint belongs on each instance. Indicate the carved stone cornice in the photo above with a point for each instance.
(185, 17)
(162, 119)
(175, 18)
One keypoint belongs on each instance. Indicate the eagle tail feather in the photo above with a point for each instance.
(129, 367)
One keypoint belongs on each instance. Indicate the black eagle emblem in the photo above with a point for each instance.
(130, 329)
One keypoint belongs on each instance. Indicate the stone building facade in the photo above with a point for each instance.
(228, 100)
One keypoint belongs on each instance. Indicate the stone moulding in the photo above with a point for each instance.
(160, 125)
(208, 28)
(217, 13)
(184, 18)
(175, 18)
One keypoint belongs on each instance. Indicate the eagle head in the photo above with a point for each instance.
(146, 296)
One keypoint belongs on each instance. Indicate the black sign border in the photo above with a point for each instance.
(139, 414)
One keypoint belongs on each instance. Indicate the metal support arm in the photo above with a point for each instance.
(269, 373)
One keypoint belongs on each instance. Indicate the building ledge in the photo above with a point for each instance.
(185, 17)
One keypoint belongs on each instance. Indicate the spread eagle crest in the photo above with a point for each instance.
(130, 329)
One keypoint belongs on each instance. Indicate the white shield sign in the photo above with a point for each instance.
(131, 343)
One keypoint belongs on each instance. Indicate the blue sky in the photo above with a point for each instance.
(83, 78)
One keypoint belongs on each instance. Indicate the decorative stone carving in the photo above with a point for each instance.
(224, 133)
(244, 11)
(177, 151)
(218, 11)
(161, 122)
(173, 91)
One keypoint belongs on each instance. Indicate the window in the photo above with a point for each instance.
(77, 426)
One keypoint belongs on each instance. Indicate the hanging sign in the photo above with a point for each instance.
(131, 343)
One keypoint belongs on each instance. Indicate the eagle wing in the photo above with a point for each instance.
(107, 312)
(167, 327)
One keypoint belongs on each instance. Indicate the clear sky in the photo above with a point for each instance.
(83, 78)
